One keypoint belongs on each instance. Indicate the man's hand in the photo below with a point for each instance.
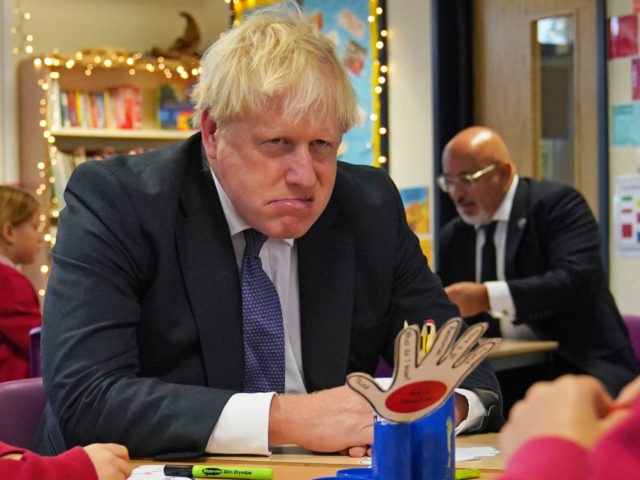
(421, 382)
(334, 420)
(110, 460)
(470, 297)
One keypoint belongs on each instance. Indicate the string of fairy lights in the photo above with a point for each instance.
(55, 64)
(23, 39)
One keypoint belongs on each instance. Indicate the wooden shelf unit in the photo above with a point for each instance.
(40, 136)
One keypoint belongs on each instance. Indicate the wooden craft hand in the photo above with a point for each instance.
(421, 382)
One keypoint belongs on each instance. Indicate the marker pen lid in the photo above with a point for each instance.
(178, 471)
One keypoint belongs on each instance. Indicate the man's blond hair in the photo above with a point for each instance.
(275, 53)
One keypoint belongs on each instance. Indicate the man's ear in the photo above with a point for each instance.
(507, 170)
(208, 128)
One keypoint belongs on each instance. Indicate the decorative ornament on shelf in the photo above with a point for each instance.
(184, 46)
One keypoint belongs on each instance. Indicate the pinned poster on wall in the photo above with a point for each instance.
(635, 78)
(626, 212)
(625, 125)
(416, 207)
(623, 36)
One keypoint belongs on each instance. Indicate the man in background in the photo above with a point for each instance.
(524, 255)
(161, 330)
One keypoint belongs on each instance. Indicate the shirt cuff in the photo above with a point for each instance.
(243, 426)
(500, 301)
(476, 413)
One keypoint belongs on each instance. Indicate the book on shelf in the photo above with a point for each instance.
(61, 167)
(175, 107)
(117, 107)
(64, 162)
(126, 107)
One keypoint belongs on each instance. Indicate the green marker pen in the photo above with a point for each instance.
(217, 471)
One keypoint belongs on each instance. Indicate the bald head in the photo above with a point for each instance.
(478, 171)
(480, 143)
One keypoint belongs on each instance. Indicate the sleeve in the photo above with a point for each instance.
(73, 464)
(19, 310)
(566, 234)
(551, 458)
(616, 455)
(94, 333)
(243, 426)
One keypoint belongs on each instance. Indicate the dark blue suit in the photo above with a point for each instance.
(554, 272)
(142, 336)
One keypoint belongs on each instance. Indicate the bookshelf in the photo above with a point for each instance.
(45, 140)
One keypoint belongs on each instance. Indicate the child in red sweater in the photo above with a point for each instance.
(20, 238)
(99, 461)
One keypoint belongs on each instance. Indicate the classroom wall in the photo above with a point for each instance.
(8, 168)
(410, 90)
(623, 160)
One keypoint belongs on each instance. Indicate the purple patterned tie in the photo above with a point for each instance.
(262, 315)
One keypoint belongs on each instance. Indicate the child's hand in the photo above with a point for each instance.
(110, 460)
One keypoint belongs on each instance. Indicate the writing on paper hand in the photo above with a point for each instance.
(421, 382)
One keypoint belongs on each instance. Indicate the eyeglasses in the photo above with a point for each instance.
(467, 179)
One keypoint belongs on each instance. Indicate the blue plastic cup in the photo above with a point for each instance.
(391, 450)
(357, 472)
(433, 443)
(421, 450)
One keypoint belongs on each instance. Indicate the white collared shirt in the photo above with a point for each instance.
(500, 300)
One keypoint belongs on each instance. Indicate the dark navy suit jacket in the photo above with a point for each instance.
(142, 337)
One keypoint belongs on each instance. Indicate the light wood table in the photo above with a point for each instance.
(292, 463)
(521, 353)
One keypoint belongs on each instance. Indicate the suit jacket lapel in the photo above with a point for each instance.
(210, 273)
(516, 227)
(325, 269)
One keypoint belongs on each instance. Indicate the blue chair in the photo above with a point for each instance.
(21, 405)
(35, 363)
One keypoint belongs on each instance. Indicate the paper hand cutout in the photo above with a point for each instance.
(421, 382)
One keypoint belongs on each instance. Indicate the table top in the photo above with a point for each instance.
(510, 353)
(293, 463)
(510, 347)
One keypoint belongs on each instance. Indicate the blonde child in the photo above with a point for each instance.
(20, 239)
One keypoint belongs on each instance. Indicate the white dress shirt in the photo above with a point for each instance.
(243, 426)
(500, 300)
